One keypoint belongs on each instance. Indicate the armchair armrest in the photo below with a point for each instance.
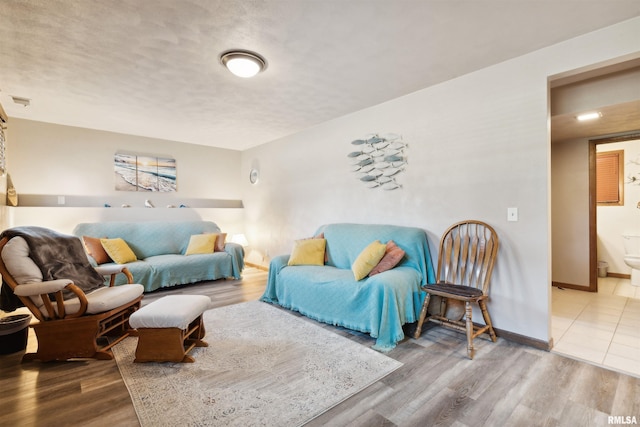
(113, 270)
(55, 287)
(237, 257)
(279, 262)
(39, 288)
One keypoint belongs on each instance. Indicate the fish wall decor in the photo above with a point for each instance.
(378, 160)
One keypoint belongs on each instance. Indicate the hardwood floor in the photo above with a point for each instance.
(506, 384)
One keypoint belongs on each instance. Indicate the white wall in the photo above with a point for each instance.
(614, 221)
(47, 159)
(477, 145)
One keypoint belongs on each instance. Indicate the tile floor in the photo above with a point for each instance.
(601, 328)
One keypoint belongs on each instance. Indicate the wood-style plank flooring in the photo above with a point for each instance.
(507, 384)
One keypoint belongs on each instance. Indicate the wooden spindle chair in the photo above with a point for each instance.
(466, 258)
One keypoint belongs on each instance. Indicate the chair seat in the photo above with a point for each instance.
(448, 289)
(105, 299)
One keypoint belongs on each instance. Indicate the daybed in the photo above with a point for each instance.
(159, 247)
(378, 304)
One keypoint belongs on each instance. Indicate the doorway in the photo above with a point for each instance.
(608, 223)
(589, 325)
(613, 92)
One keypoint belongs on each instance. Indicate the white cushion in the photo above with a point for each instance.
(15, 256)
(36, 289)
(173, 311)
(105, 299)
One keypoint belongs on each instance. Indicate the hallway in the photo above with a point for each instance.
(602, 328)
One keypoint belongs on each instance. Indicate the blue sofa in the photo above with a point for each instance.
(159, 247)
(378, 305)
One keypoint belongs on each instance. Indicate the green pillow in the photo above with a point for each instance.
(368, 258)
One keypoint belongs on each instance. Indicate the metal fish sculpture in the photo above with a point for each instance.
(379, 159)
(393, 158)
(391, 136)
(391, 171)
(391, 186)
(368, 149)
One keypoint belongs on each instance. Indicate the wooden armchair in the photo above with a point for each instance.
(466, 257)
(71, 323)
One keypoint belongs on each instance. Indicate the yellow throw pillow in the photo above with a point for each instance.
(118, 250)
(201, 244)
(308, 252)
(368, 258)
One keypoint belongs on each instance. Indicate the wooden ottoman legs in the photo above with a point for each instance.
(170, 344)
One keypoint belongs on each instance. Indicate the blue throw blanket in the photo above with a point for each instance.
(378, 305)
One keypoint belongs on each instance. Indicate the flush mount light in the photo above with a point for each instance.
(589, 116)
(243, 63)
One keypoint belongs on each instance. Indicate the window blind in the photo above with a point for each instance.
(609, 177)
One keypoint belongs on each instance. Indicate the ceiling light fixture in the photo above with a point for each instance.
(589, 116)
(243, 63)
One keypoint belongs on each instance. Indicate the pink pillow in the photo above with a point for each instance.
(96, 250)
(392, 256)
(220, 241)
(326, 255)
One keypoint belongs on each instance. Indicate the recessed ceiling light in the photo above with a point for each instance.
(589, 116)
(243, 63)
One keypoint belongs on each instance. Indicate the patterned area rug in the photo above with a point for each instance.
(263, 367)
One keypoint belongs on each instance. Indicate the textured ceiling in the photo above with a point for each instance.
(151, 68)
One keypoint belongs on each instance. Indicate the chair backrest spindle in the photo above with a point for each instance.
(467, 253)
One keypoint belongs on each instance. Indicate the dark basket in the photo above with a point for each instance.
(14, 331)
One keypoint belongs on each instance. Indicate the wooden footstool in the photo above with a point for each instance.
(169, 328)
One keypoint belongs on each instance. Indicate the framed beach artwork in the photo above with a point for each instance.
(144, 173)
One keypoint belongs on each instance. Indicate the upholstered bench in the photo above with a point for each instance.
(169, 328)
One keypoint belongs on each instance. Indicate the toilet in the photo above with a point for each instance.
(632, 256)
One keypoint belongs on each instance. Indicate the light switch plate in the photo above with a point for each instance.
(512, 214)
